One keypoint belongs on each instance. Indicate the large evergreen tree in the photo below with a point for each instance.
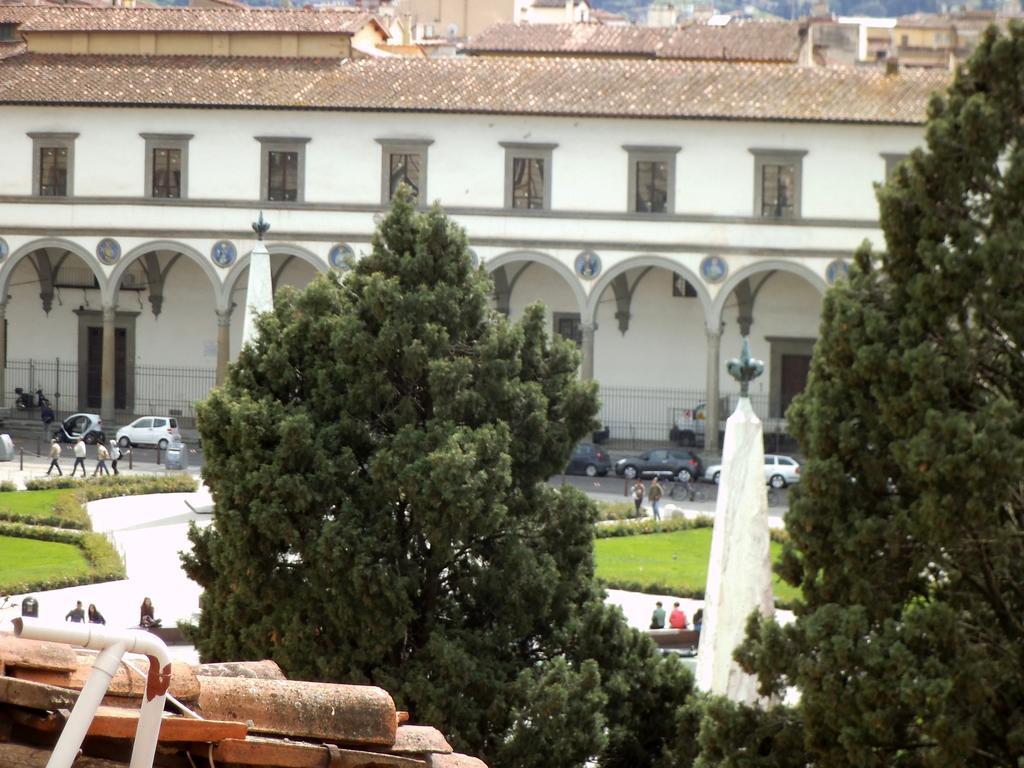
(907, 537)
(377, 459)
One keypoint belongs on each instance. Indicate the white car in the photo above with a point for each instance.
(779, 471)
(150, 430)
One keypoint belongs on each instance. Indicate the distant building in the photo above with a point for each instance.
(552, 11)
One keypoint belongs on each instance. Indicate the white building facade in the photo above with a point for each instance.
(655, 240)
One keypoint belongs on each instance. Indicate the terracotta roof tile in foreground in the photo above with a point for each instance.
(345, 21)
(249, 716)
(536, 86)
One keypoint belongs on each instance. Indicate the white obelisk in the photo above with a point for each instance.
(739, 568)
(259, 292)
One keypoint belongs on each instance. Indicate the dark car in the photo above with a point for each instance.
(587, 459)
(685, 465)
(87, 426)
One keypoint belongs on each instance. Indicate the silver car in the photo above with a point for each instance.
(779, 471)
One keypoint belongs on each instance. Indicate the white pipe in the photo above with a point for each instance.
(113, 644)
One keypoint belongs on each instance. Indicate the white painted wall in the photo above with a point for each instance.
(714, 173)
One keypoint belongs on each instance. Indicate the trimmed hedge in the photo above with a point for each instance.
(69, 522)
(105, 562)
(648, 525)
(66, 511)
(7, 485)
(95, 488)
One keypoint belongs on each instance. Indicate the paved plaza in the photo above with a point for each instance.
(150, 532)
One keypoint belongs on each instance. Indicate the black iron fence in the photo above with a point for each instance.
(160, 389)
(656, 415)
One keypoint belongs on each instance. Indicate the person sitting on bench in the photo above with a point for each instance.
(677, 619)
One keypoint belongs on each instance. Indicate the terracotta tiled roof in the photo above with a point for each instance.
(11, 48)
(736, 41)
(538, 86)
(345, 21)
(248, 715)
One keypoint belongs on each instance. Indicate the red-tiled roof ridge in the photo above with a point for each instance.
(630, 88)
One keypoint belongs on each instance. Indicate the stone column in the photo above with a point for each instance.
(587, 368)
(3, 355)
(714, 336)
(259, 291)
(223, 343)
(107, 377)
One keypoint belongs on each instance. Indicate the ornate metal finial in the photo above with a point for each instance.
(261, 226)
(745, 368)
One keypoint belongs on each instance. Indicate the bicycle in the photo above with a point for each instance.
(686, 490)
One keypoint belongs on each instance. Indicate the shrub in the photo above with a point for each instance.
(7, 485)
(647, 525)
(615, 510)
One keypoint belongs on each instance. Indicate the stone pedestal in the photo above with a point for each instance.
(739, 570)
(259, 296)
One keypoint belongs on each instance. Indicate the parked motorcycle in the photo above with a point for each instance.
(26, 400)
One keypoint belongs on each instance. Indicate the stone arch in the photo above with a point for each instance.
(644, 260)
(759, 267)
(110, 290)
(536, 257)
(274, 249)
(49, 242)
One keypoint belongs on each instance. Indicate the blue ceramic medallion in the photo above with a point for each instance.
(588, 265)
(714, 269)
(836, 270)
(224, 253)
(4, 249)
(341, 256)
(108, 251)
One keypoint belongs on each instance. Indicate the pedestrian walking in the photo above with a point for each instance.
(54, 457)
(115, 455)
(79, 457)
(638, 495)
(655, 495)
(102, 455)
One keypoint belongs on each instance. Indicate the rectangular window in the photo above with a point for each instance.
(283, 176)
(53, 172)
(651, 186)
(777, 183)
(282, 169)
(778, 191)
(166, 173)
(527, 175)
(568, 326)
(404, 161)
(405, 168)
(528, 183)
(652, 179)
(166, 165)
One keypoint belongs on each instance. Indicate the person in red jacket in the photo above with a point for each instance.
(677, 619)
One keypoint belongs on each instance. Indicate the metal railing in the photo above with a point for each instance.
(158, 389)
(648, 414)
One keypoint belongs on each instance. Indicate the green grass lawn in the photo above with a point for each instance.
(678, 560)
(48, 507)
(27, 560)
